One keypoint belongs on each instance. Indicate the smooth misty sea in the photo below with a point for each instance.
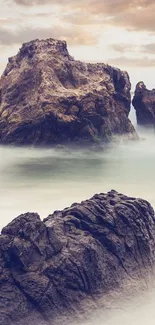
(44, 180)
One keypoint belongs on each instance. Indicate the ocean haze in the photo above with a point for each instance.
(43, 180)
(136, 311)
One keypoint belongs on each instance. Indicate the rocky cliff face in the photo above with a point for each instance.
(48, 268)
(144, 104)
(46, 97)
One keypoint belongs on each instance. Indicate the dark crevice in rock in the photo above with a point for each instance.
(35, 305)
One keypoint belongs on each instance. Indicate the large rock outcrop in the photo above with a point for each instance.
(48, 267)
(46, 97)
(144, 104)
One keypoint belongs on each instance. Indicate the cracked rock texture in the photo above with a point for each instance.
(48, 268)
(48, 98)
(144, 104)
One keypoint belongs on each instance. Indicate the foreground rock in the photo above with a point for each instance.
(48, 268)
(144, 104)
(46, 98)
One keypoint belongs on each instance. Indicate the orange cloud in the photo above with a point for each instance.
(134, 14)
(72, 35)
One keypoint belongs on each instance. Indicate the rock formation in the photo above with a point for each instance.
(48, 268)
(46, 98)
(144, 104)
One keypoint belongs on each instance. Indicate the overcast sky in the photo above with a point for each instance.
(118, 32)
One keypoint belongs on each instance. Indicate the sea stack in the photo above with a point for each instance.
(48, 98)
(144, 104)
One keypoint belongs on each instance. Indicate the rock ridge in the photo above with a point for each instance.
(48, 268)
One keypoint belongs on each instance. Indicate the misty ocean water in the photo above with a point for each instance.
(44, 180)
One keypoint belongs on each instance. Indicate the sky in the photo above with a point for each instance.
(118, 32)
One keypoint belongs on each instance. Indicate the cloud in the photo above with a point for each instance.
(71, 35)
(138, 20)
(40, 2)
(76, 18)
(122, 48)
(149, 48)
(107, 6)
(133, 14)
(125, 62)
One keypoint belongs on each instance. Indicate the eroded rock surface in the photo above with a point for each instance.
(144, 104)
(47, 97)
(48, 268)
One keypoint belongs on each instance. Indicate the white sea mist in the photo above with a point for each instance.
(43, 180)
(137, 311)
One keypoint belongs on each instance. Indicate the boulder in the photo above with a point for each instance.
(48, 98)
(49, 268)
(144, 104)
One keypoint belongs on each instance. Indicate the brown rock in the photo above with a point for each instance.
(46, 98)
